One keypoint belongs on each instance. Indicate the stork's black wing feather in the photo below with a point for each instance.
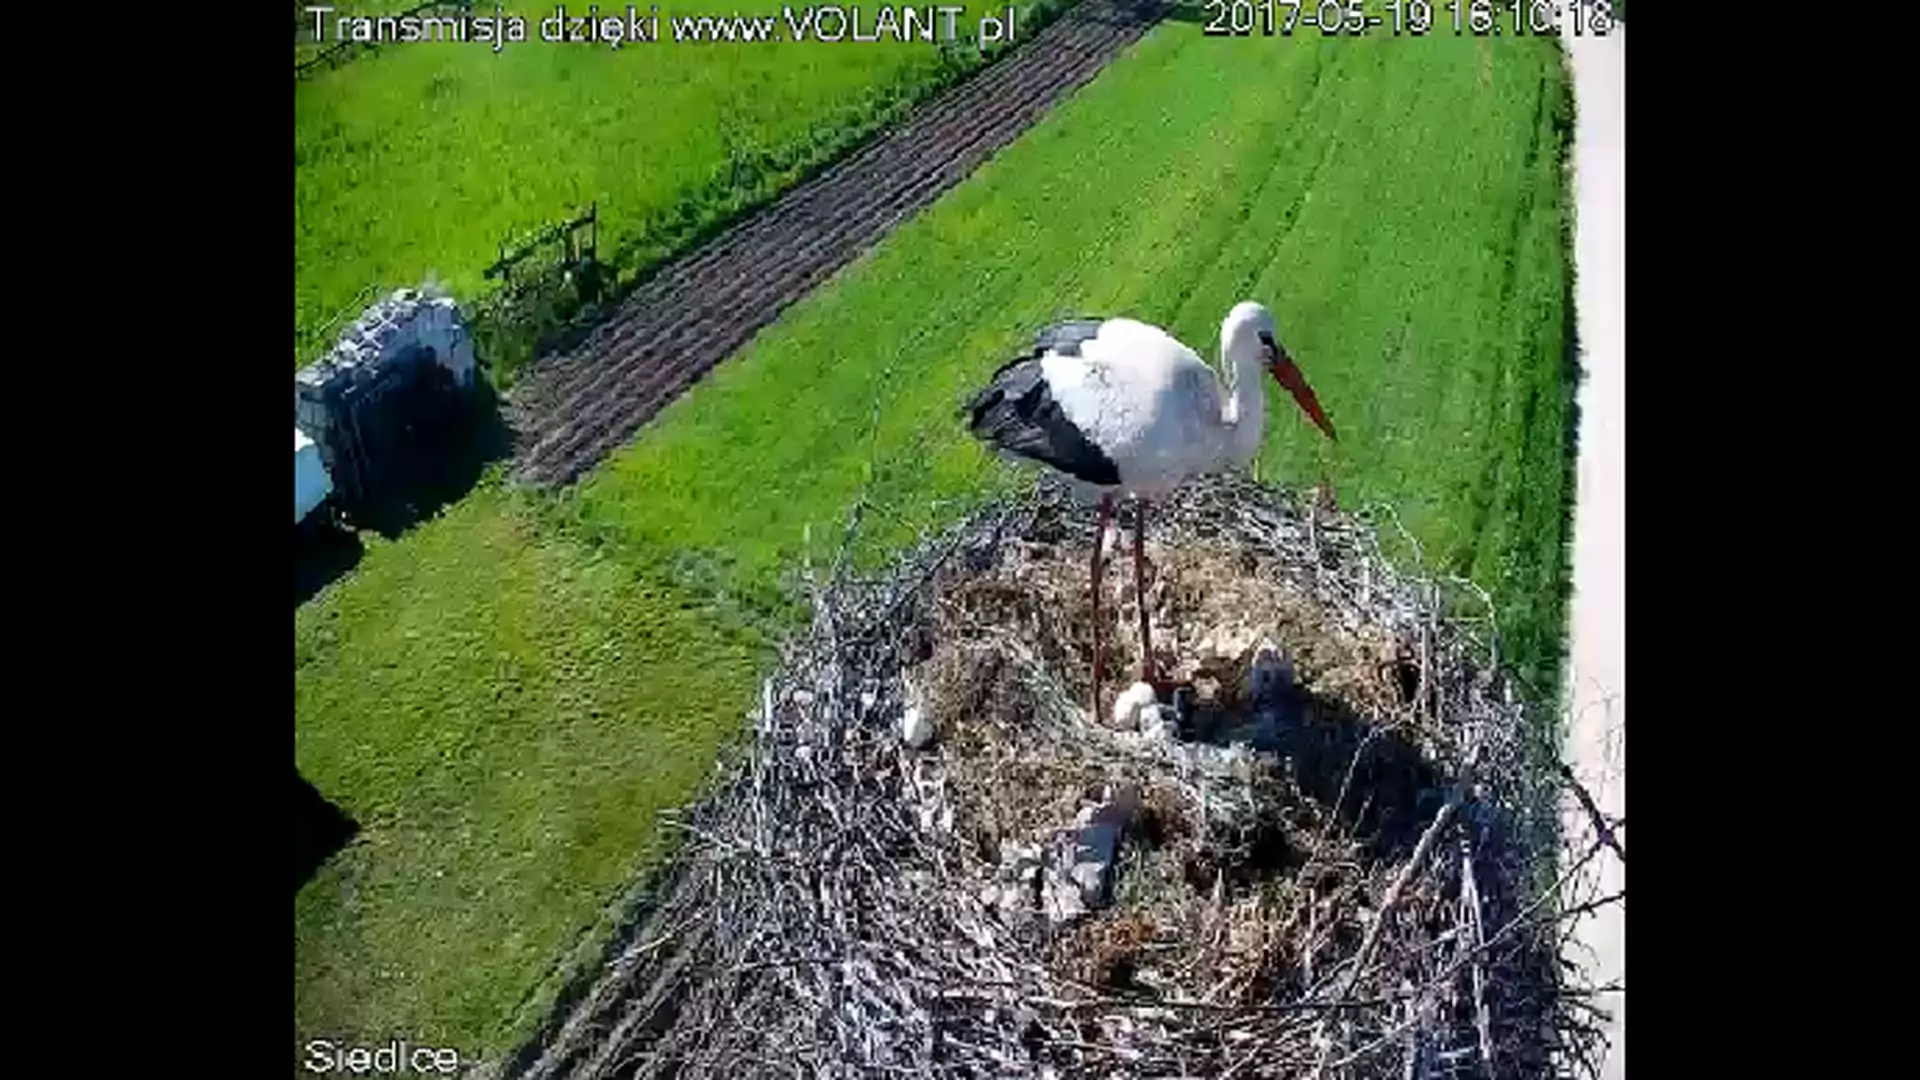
(1064, 338)
(1061, 337)
(1016, 412)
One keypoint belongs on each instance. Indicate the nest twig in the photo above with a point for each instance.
(841, 904)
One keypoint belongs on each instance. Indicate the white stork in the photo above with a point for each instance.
(1123, 408)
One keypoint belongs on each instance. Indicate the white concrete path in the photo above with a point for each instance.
(1596, 672)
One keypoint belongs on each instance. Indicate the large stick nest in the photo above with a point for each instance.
(1367, 885)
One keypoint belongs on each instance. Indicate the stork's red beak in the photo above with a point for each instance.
(1288, 374)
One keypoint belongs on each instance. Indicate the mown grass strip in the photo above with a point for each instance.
(503, 713)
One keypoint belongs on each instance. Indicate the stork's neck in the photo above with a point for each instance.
(1243, 405)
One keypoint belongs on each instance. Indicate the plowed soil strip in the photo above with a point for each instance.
(575, 408)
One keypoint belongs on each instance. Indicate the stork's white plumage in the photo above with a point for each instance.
(1123, 408)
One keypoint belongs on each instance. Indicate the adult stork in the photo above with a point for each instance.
(1120, 407)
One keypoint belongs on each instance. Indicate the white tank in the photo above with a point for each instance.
(311, 484)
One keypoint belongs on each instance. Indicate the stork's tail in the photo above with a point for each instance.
(1016, 415)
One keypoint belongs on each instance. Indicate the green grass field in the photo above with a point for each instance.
(503, 712)
(507, 696)
(426, 157)
(422, 159)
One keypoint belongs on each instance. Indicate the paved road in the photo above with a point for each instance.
(1596, 741)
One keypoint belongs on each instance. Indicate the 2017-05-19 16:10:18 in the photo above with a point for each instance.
(1481, 18)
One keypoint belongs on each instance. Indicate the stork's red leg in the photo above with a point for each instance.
(1099, 538)
(1140, 588)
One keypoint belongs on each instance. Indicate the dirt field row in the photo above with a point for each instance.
(575, 408)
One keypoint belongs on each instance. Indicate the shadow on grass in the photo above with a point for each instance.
(322, 553)
(1188, 11)
(433, 463)
(319, 830)
(1541, 675)
(424, 467)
